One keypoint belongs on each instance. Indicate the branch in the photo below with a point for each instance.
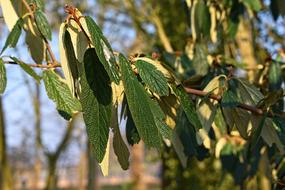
(52, 56)
(250, 108)
(35, 65)
(161, 33)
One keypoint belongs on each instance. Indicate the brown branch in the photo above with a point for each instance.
(250, 108)
(52, 56)
(35, 65)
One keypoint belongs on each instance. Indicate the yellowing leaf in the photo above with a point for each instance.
(207, 108)
(167, 74)
(78, 38)
(63, 58)
(169, 106)
(105, 162)
(9, 13)
(34, 41)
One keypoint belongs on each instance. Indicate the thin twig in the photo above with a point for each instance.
(35, 65)
(52, 56)
(250, 108)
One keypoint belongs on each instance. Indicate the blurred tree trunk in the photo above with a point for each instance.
(137, 167)
(51, 178)
(92, 170)
(6, 180)
(82, 170)
(38, 146)
(245, 42)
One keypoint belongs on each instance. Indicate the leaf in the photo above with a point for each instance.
(166, 71)
(140, 106)
(153, 78)
(255, 5)
(270, 136)
(257, 133)
(27, 69)
(202, 20)
(79, 39)
(103, 49)
(275, 76)
(34, 42)
(43, 24)
(9, 13)
(39, 4)
(105, 162)
(3, 77)
(120, 148)
(96, 101)
(64, 60)
(200, 62)
(207, 108)
(187, 136)
(132, 134)
(188, 107)
(240, 92)
(277, 8)
(169, 105)
(14, 35)
(58, 91)
(229, 99)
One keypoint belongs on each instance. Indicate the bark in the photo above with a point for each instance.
(38, 141)
(245, 41)
(92, 170)
(6, 180)
(51, 178)
(137, 167)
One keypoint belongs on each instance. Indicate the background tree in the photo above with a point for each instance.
(219, 52)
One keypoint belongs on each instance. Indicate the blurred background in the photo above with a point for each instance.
(43, 151)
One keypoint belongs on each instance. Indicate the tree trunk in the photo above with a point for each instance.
(6, 180)
(51, 176)
(92, 170)
(38, 141)
(245, 43)
(137, 168)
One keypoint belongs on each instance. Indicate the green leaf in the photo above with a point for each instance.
(27, 69)
(3, 77)
(202, 19)
(140, 106)
(132, 134)
(39, 4)
(120, 148)
(59, 92)
(43, 24)
(255, 5)
(14, 35)
(96, 101)
(188, 107)
(229, 99)
(240, 91)
(257, 133)
(275, 76)
(200, 62)
(103, 49)
(277, 8)
(152, 77)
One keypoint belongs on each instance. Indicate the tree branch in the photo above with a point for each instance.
(35, 65)
(250, 108)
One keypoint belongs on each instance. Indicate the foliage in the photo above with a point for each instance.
(194, 100)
